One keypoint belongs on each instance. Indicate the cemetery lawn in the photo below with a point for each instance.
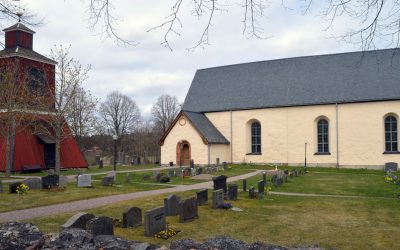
(352, 182)
(340, 223)
(37, 198)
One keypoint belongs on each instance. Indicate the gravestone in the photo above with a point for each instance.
(128, 178)
(225, 165)
(244, 185)
(264, 177)
(217, 198)
(132, 217)
(188, 210)
(296, 173)
(84, 180)
(252, 192)
(158, 177)
(171, 205)
(63, 181)
(50, 181)
(98, 160)
(200, 170)
(33, 183)
(232, 192)
(101, 164)
(278, 181)
(192, 163)
(193, 172)
(170, 173)
(107, 181)
(261, 187)
(391, 166)
(100, 226)
(171, 164)
(220, 182)
(112, 174)
(154, 221)
(146, 177)
(79, 220)
(14, 186)
(202, 197)
(1, 187)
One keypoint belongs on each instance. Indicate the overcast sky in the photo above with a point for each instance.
(148, 70)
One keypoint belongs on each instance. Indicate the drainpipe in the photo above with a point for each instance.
(337, 135)
(231, 141)
(209, 154)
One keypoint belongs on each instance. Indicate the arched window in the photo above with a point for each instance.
(323, 136)
(391, 134)
(256, 138)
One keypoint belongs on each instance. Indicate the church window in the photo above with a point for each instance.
(256, 138)
(323, 136)
(391, 134)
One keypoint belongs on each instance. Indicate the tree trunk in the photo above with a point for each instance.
(8, 154)
(58, 153)
(12, 151)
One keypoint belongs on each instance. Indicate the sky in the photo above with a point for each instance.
(148, 70)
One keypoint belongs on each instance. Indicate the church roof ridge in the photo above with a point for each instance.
(19, 26)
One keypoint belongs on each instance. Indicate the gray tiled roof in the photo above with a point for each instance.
(324, 79)
(206, 128)
(25, 53)
(19, 26)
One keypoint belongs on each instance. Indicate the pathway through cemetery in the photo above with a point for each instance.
(99, 202)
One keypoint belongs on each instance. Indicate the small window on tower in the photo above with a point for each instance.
(36, 81)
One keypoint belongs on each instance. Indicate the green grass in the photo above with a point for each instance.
(340, 223)
(35, 198)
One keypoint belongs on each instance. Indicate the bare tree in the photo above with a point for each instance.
(82, 120)
(119, 113)
(70, 74)
(164, 112)
(16, 112)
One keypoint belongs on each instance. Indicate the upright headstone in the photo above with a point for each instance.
(154, 221)
(391, 166)
(188, 210)
(261, 187)
(112, 174)
(252, 192)
(244, 185)
(84, 180)
(100, 226)
(171, 205)
(265, 177)
(220, 182)
(202, 197)
(50, 181)
(98, 160)
(63, 181)
(217, 198)
(170, 173)
(192, 163)
(13, 187)
(225, 165)
(217, 161)
(79, 220)
(33, 183)
(1, 187)
(232, 191)
(101, 164)
(128, 178)
(107, 181)
(158, 177)
(132, 217)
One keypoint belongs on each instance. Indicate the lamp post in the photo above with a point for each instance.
(115, 138)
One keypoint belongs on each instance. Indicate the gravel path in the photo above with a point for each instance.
(99, 202)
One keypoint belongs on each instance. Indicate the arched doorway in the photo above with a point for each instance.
(183, 154)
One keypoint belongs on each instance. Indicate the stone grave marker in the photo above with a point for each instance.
(79, 220)
(296, 173)
(33, 183)
(220, 182)
(1, 187)
(265, 177)
(244, 185)
(171, 205)
(217, 198)
(128, 178)
(63, 181)
(84, 180)
(107, 181)
(100, 226)
(101, 164)
(252, 192)
(278, 181)
(188, 210)
(192, 163)
(158, 177)
(202, 197)
(232, 192)
(154, 221)
(170, 173)
(225, 165)
(193, 172)
(50, 181)
(146, 177)
(14, 186)
(391, 166)
(112, 174)
(132, 217)
(261, 187)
